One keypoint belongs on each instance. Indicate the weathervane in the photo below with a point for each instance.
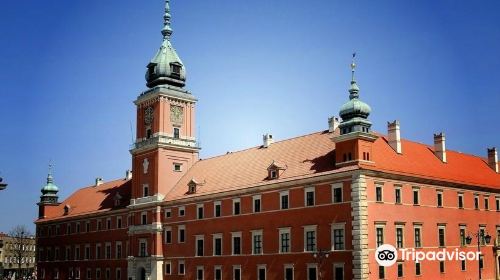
(353, 65)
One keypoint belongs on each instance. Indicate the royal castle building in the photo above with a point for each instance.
(316, 206)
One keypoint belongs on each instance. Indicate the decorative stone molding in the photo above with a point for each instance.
(146, 201)
(359, 213)
(149, 228)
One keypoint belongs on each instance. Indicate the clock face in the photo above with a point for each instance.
(176, 114)
(148, 115)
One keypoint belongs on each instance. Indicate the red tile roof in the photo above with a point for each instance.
(93, 199)
(303, 156)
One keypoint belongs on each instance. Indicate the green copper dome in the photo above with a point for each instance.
(354, 107)
(50, 187)
(166, 67)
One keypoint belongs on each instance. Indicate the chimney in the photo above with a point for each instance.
(98, 181)
(493, 159)
(440, 146)
(394, 136)
(267, 139)
(333, 124)
(128, 174)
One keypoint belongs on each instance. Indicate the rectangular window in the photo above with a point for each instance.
(476, 202)
(338, 235)
(217, 244)
(441, 266)
(108, 251)
(108, 273)
(218, 273)
(87, 226)
(168, 235)
(168, 268)
(463, 265)
(497, 203)
(168, 213)
(236, 243)
(199, 246)
(118, 250)
(378, 194)
(309, 196)
(284, 240)
(98, 273)
(337, 193)
(182, 268)
(312, 272)
(142, 248)
(237, 272)
(460, 201)
(177, 167)
(416, 196)
(261, 273)
(257, 242)
(380, 236)
(176, 132)
(256, 203)
(481, 261)
(236, 206)
(199, 210)
(418, 271)
(118, 222)
(144, 218)
(400, 270)
(87, 252)
(338, 271)
(441, 234)
(482, 233)
(108, 223)
(288, 272)
(462, 235)
(399, 237)
(182, 234)
(89, 273)
(182, 211)
(381, 272)
(439, 199)
(118, 274)
(217, 209)
(397, 194)
(98, 251)
(310, 238)
(486, 203)
(284, 200)
(418, 237)
(199, 273)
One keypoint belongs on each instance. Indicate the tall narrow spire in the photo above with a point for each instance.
(167, 30)
(354, 90)
(50, 179)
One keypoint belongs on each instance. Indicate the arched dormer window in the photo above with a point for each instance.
(275, 170)
(66, 209)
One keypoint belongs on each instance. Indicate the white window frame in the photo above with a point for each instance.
(334, 227)
(280, 241)
(287, 194)
(236, 200)
(217, 203)
(174, 165)
(141, 241)
(233, 235)
(118, 269)
(444, 235)
(307, 190)
(179, 228)
(239, 268)
(214, 237)
(196, 239)
(168, 210)
(218, 267)
(254, 198)
(381, 186)
(381, 226)
(257, 233)
(198, 207)
(312, 265)
(288, 265)
(335, 186)
(338, 264)
(181, 210)
(144, 213)
(440, 192)
(198, 268)
(307, 229)
(419, 226)
(403, 241)
(168, 229)
(460, 195)
(118, 243)
(259, 267)
(400, 188)
(144, 187)
(417, 190)
(183, 263)
(169, 265)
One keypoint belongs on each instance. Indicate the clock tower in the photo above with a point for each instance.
(165, 148)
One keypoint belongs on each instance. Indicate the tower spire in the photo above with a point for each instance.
(50, 179)
(167, 30)
(354, 90)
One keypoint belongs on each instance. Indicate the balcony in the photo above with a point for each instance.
(163, 139)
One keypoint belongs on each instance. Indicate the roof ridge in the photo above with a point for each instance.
(259, 146)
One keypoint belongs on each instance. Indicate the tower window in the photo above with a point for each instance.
(176, 70)
(149, 133)
(176, 132)
(177, 167)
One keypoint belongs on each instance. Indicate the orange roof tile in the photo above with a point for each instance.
(303, 156)
(93, 199)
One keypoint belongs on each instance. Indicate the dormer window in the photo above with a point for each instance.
(176, 70)
(66, 209)
(275, 170)
(192, 186)
(151, 70)
(117, 199)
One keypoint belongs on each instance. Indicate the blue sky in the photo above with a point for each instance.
(69, 71)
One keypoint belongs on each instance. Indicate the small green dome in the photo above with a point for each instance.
(50, 186)
(354, 108)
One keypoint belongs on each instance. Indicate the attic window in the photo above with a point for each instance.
(66, 209)
(192, 188)
(176, 70)
(117, 199)
(275, 169)
(273, 174)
